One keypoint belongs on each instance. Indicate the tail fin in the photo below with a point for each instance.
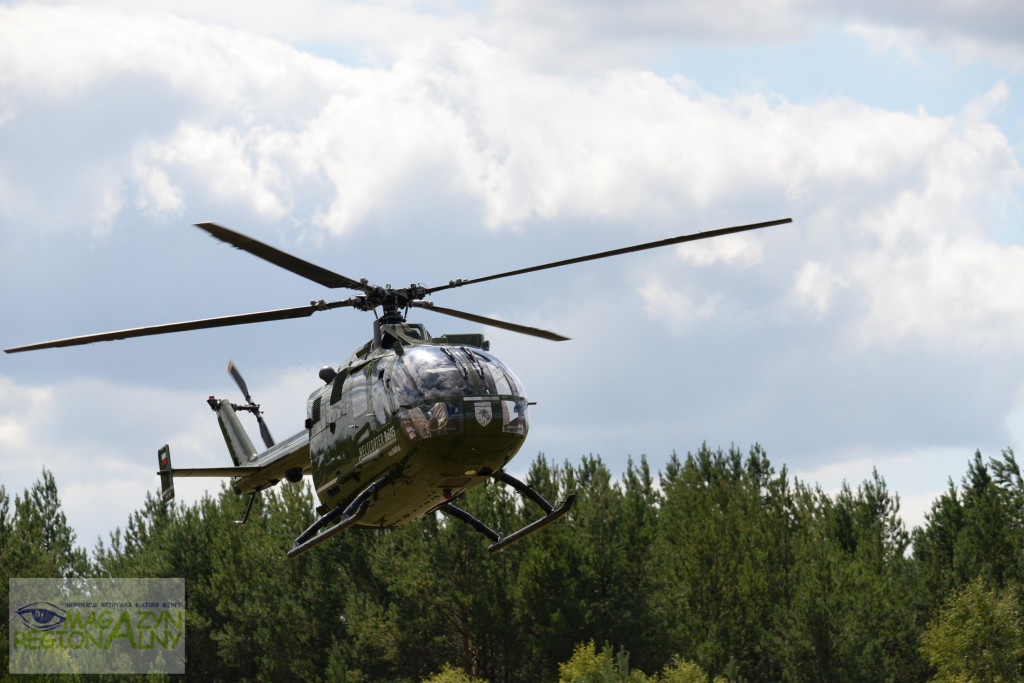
(239, 445)
(166, 480)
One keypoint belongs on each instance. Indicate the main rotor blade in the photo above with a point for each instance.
(205, 323)
(279, 258)
(512, 327)
(616, 252)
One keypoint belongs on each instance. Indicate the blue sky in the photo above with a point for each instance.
(419, 142)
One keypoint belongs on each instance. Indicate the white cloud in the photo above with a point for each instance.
(920, 255)
(21, 409)
(469, 123)
(233, 164)
(962, 293)
(108, 89)
(675, 306)
(97, 439)
(570, 35)
(970, 30)
(157, 194)
(373, 30)
(586, 35)
(60, 52)
(815, 285)
(108, 204)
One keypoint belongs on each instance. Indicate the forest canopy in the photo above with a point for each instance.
(721, 567)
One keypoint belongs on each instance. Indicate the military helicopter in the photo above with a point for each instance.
(427, 417)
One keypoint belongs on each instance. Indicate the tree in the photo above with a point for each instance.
(35, 542)
(587, 665)
(978, 635)
(977, 530)
(851, 617)
(986, 544)
(451, 674)
(725, 556)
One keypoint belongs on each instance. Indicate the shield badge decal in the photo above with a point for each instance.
(483, 413)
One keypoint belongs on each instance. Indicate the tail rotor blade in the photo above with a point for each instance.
(251, 405)
(268, 440)
(239, 381)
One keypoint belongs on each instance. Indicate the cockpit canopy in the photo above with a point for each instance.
(429, 388)
(428, 372)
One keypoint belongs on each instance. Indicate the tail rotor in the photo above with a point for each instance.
(250, 405)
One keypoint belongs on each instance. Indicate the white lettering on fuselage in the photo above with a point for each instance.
(376, 443)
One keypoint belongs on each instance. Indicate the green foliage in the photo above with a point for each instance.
(849, 576)
(35, 542)
(978, 635)
(729, 538)
(587, 665)
(449, 674)
(35, 539)
(681, 671)
(719, 566)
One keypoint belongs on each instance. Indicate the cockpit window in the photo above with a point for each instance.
(497, 378)
(430, 372)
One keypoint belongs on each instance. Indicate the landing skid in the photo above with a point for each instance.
(355, 511)
(338, 519)
(498, 543)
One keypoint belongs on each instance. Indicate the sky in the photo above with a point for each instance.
(418, 142)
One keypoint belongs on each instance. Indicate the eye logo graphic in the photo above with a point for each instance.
(42, 616)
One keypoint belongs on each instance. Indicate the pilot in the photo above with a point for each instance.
(420, 423)
(438, 418)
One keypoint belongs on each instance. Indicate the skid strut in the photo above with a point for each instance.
(248, 508)
(526, 491)
(347, 517)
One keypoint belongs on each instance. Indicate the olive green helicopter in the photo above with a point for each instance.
(427, 417)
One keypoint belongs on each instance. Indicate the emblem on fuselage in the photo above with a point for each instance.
(483, 413)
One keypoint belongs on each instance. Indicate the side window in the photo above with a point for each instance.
(500, 381)
(379, 396)
(354, 402)
(338, 386)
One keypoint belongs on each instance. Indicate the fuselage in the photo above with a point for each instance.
(439, 417)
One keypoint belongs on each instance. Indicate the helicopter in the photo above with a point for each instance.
(427, 417)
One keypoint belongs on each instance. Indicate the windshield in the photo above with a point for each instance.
(429, 372)
(426, 373)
